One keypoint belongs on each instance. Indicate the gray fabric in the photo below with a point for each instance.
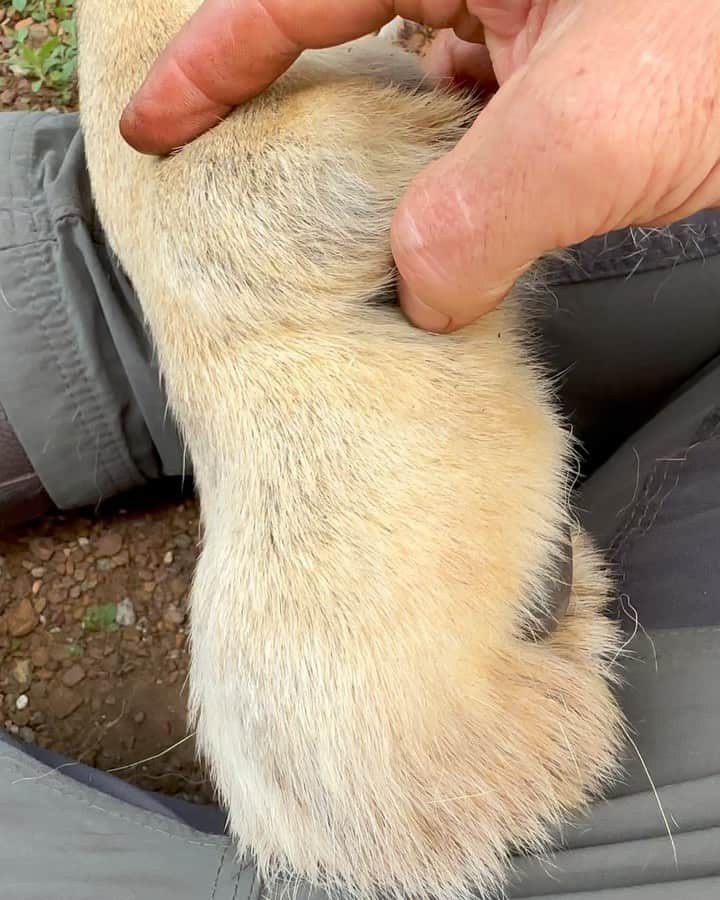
(76, 375)
(655, 506)
(64, 840)
(622, 850)
(207, 818)
(623, 343)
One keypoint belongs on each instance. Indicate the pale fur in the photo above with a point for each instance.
(382, 508)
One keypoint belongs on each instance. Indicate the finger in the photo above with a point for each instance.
(448, 57)
(524, 181)
(230, 50)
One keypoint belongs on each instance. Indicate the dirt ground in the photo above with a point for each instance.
(93, 655)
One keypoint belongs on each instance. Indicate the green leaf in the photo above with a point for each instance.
(47, 48)
(100, 618)
(19, 5)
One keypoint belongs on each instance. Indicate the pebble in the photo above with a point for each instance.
(22, 586)
(42, 548)
(168, 558)
(36, 588)
(73, 676)
(139, 717)
(22, 702)
(22, 672)
(109, 544)
(40, 656)
(63, 702)
(125, 615)
(21, 619)
(104, 564)
(173, 616)
(178, 587)
(83, 541)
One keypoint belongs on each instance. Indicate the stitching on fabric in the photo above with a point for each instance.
(77, 796)
(114, 455)
(50, 344)
(217, 874)
(67, 381)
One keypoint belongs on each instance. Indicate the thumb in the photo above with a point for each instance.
(522, 182)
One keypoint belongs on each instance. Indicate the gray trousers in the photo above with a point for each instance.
(633, 325)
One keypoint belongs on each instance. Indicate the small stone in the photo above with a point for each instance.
(38, 571)
(75, 592)
(178, 588)
(139, 717)
(7, 97)
(63, 702)
(36, 588)
(40, 657)
(121, 559)
(73, 676)
(69, 567)
(22, 586)
(148, 587)
(109, 544)
(110, 700)
(39, 604)
(22, 702)
(21, 619)
(168, 558)
(125, 615)
(104, 564)
(83, 541)
(22, 672)
(42, 548)
(27, 734)
(173, 616)
(37, 34)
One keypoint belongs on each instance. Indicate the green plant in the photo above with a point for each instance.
(100, 618)
(53, 63)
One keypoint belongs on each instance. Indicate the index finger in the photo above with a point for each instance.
(230, 50)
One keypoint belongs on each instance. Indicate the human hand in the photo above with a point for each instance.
(606, 116)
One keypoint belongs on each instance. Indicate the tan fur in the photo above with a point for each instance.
(382, 508)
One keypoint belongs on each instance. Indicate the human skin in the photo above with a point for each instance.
(606, 116)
